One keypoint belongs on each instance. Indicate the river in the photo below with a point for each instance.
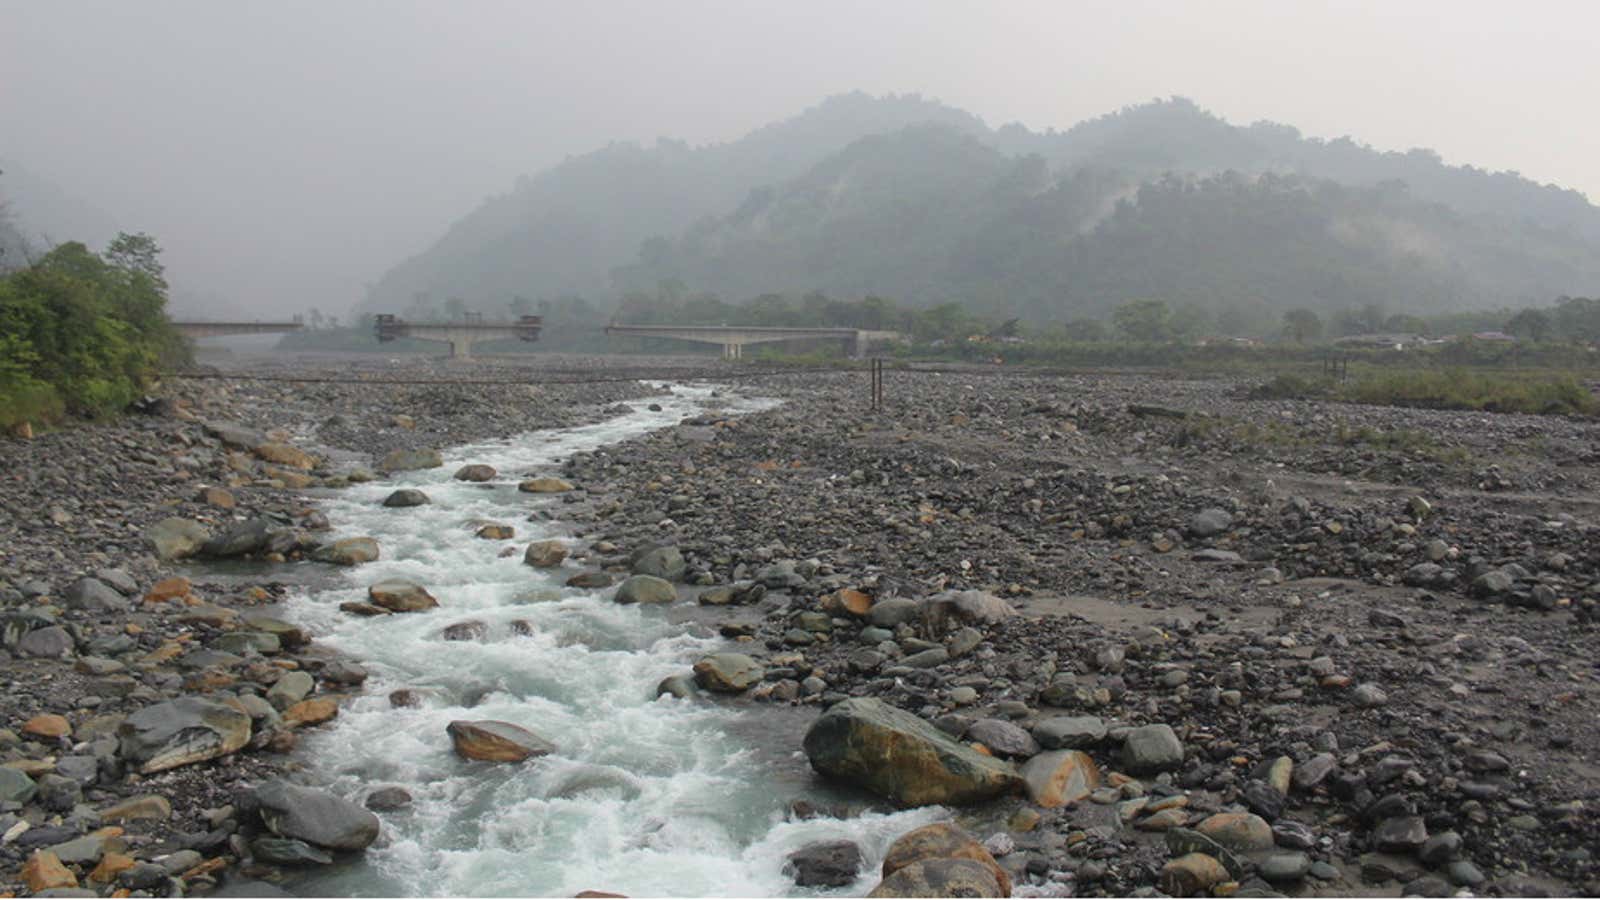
(644, 796)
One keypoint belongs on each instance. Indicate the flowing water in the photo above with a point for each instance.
(644, 796)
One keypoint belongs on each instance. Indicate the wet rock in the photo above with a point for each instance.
(180, 732)
(545, 484)
(470, 630)
(477, 472)
(940, 878)
(279, 851)
(1401, 834)
(1059, 778)
(348, 552)
(389, 799)
(545, 554)
(825, 864)
(491, 741)
(314, 816)
(940, 841)
(496, 532)
(405, 497)
(239, 539)
(1285, 867)
(900, 756)
(950, 610)
(728, 673)
(290, 689)
(410, 460)
(398, 595)
(645, 589)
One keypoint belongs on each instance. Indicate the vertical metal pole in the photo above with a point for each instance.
(877, 383)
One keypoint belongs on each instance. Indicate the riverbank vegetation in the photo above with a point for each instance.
(83, 333)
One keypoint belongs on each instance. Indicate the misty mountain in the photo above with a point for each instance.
(912, 200)
(563, 230)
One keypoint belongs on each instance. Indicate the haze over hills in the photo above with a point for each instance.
(910, 199)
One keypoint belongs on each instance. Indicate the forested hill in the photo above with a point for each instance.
(905, 198)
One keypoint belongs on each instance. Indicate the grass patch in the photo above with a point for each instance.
(1560, 395)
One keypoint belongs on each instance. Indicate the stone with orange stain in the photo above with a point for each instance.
(47, 725)
(209, 867)
(168, 589)
(110, 865)
(167, 651)
(847, 600)
(314, 711)
(44, 871)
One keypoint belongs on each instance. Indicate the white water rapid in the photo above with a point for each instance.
(644, 796)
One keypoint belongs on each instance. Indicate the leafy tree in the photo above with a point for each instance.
(1533, 324)
(1143, 320)
(1301, 324)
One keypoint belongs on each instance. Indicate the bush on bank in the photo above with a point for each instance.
(81, 333)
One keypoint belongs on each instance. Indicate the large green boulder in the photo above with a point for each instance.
(897, 755)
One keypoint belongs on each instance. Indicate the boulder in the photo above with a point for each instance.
(143, 808)
(290, 689)
(545, 484)
(951, 610)
(469, 630)
(316, 817)
(645, 589)
(179, 732)
(902, 757)
(1060, 777)
(1192, 875)
(239, 539)
(1210, 522)
(941, 878)
(825, 864)
(43, 872)
(545, 554)
(399, 595)
(50, 642)
(492, 741)
(847, 601)
(48, 726)
(496, 532)
(1000, 736)
(15, 787)
(175, 538)
(1150, 749)
(233, 435)
(1069, 732)
(287, 852)
(1239, 832)
(663, 562)
(286, 455)
(405, 497)
(475, 472)
(728, 673)
(942, 841)
(94, 595)
(410, 460)
(290, 636)
(348, 552)
(892, 611)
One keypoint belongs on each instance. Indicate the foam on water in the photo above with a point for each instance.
(644, 796)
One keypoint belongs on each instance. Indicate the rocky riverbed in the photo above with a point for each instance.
(1151, 634)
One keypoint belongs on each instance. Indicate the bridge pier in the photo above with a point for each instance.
(733, 351)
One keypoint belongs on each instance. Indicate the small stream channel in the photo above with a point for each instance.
(644, 796)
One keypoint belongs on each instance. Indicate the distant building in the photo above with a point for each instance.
(1494, 336)
(1390, 341)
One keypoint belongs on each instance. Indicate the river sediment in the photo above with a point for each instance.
(1369, 630)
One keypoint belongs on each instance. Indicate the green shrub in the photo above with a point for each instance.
(83, 334)
(1482, 391)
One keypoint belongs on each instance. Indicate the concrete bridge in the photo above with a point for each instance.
(196, 330)
(459, 335)
(733, 338)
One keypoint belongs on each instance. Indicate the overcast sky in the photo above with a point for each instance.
(286, 153)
